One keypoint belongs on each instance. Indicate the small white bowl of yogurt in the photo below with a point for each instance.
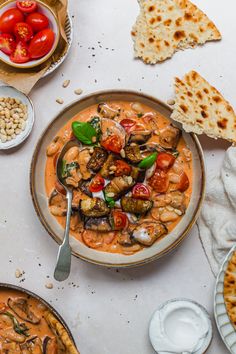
(180, 326)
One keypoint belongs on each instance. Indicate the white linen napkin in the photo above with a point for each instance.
(217, 222)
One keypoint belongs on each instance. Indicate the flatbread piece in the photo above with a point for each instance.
(61, 333)
(230, 289)
(165, 26)
(202, 109)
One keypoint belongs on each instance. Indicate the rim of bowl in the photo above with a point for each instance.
(8, 286)
(56, 41)
(13, 145)
(147, 260)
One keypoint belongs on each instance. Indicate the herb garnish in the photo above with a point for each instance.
(84, 132)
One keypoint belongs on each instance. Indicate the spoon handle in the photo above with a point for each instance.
(62, 269)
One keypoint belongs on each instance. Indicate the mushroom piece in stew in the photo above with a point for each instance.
(131, 174)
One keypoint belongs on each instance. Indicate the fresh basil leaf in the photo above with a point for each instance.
(139, 115)
(19, 328)
(84, 132)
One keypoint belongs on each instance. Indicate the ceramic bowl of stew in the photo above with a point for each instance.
(50, 31)
(152, 215)
(29, 323)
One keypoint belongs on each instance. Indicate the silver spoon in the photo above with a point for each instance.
(63, 265)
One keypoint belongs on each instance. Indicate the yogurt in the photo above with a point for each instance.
(179, 326)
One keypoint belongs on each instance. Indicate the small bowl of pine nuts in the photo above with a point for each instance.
(16, 117)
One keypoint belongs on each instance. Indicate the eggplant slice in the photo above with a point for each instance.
(118, 186)
(21, 308)
(97, 224)
(139, 137)
(169, 137)
(133, 153)
(148, 233)
(98, 159)
(105, 170)
(135, 206)
(94, 207)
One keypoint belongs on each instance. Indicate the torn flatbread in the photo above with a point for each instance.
(165, 26)
(61, 333)
(230, 289)
(202, 109)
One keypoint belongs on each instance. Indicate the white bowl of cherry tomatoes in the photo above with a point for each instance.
(29, 33)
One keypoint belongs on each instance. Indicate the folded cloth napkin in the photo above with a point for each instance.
(217, 222)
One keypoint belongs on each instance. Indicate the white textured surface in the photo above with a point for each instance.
(109, 312)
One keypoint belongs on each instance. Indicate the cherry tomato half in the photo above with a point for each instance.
(41, 44)
(37, 21)
(122, 168)
(159, 181)
(9, 19)
(140, 191)
(7, 43)
(127, 123)
(23, 31)
(26, 6)
(165, 161)
(20, 54)
(112, 143)
(120, 220)
(183, 184)
(97, 184)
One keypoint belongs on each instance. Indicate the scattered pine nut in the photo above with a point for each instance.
(59, 100)
(66, 83)
(78, 91)
(171, 102)
(122, 153)
(18, 273)
(49, 285)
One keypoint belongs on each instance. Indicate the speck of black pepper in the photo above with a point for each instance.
(73, 16)
(93, 48)
(47, 276)
(40, 265)
(5, 221)
(93, 55)
(89, 66)
(107, 48)
(95, 81)
(118, 79)
(128, 321)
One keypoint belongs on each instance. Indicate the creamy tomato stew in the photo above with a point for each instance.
(27, 326)
(131, 174)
